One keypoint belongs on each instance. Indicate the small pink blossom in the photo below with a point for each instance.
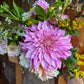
(42, 3)
(64, 16)
(3, 47)
(46, 46)
(13, 50)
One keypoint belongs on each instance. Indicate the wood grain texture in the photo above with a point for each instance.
(18, 73)
(30, 78)
(61, 80)
(7, 70)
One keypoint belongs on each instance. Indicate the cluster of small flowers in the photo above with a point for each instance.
(8, 20)
(27, 15)
(79, 73)
(3, 33)
(3, 47)
(23, 61)
(11, 50)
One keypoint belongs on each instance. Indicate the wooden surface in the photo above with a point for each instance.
(18, 74)
(61, 80)
(7, 70)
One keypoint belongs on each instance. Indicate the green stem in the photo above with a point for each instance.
(65, 5)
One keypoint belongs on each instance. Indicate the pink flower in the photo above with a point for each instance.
(45, 75)
(42, 3)
(13, 50)
(3, 47)
(64, 16)
(46, 46)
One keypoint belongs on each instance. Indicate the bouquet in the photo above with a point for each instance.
(41, 38)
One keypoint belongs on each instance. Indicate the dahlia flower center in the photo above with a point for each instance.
(48, 42)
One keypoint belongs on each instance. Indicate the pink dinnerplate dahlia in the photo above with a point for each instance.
(46, 46)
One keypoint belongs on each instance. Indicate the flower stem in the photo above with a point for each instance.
(66, 1)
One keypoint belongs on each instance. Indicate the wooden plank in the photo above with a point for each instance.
(18, 74)
(61, 80)
(30, 78)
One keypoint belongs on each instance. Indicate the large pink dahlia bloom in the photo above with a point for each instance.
(42, 3)
(46, 46)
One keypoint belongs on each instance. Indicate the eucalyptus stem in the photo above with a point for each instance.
(66, 1)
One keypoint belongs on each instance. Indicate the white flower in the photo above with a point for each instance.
(47, 75)
(27, 15)
(23, 62)
(3, 47)
(8, 20)
(43, 74)
(13, 50)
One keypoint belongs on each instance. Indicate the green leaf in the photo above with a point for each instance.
(1, 10)
(6, 15)
(76, 5)
(74, 50)
(21, 11)
(16, 8)
(74, 32)
(33, 20)
(66, 33)
(40, 12)
(5, 6)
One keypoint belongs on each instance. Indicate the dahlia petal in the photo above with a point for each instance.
(44, 64)
(27, 38)
(36, 62)
(53, 55)
(47, 58)
(34, 27)
(67, 53)
(52, 68)
(29, 53)
(40, 56)
(53, 63)
(39, 25)
(58, 63)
